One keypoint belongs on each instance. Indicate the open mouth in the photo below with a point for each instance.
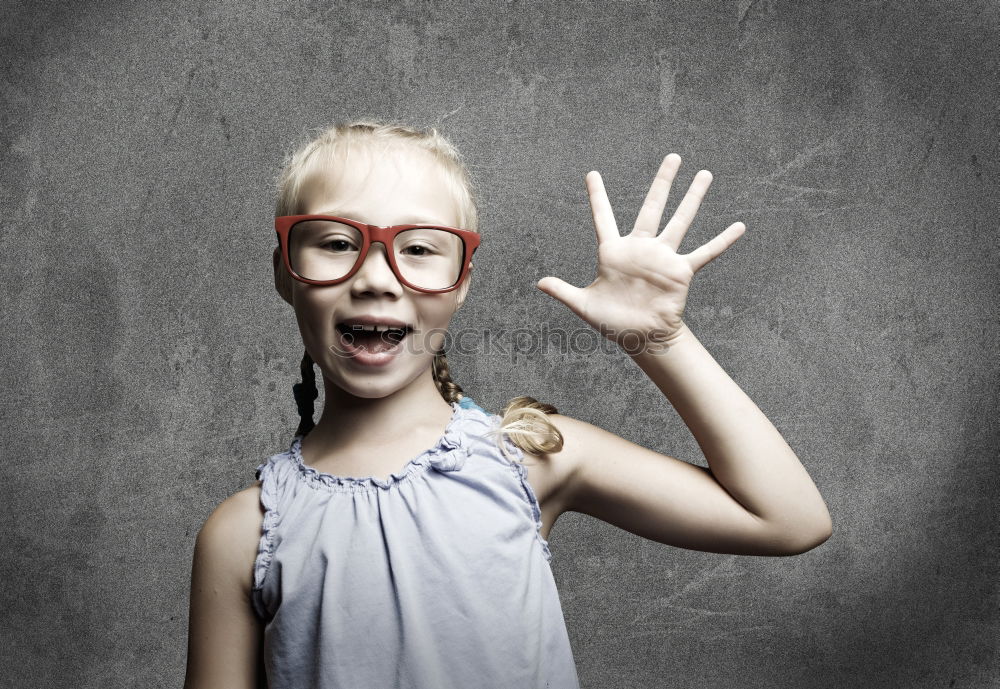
(374, 338)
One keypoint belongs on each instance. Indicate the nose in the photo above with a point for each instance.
(375, 275)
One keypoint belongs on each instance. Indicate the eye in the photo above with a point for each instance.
(339, 245)
(418, 250)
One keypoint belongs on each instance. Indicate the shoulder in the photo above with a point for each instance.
(228, 540)
(590, 460)
(557, 474)
(579, 439)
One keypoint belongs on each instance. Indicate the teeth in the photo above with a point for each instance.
(373, 328)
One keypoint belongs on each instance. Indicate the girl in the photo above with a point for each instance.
(379, 551)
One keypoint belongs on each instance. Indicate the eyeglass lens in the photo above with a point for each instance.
(328, 250)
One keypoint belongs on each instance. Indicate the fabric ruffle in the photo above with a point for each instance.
(521, 472)
(449, 453)
(265, 551)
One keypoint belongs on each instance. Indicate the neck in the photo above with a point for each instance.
(346, 418)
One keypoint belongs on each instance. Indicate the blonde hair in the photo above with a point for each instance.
(524, 419)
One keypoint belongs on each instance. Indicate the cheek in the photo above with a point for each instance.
(435, 316)
(313, 311)
(436, 341)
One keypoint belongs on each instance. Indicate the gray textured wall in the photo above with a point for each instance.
(148, 362)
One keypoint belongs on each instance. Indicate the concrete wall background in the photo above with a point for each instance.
(149, 363)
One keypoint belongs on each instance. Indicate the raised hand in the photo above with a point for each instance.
(642, 282)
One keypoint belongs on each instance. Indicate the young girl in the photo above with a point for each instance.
(402, 540)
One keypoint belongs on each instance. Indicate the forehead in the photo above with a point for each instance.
(387, 185)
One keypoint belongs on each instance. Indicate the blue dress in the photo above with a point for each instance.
(435, 578)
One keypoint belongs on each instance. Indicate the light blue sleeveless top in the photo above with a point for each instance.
(436, 578)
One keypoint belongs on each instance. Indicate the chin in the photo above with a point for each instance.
(374, 384)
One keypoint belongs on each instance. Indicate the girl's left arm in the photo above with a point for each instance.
(756, 497)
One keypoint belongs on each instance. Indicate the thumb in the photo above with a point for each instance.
(563, 291)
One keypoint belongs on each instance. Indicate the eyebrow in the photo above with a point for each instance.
(354, 215)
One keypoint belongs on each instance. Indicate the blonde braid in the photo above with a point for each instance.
(524, 420)
(448, 388)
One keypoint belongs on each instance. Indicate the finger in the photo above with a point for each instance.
(600, 207)
(648, 221)
(563, 291)
(678, 225)
(712, 248)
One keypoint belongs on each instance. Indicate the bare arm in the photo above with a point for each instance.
(224, 635)
(745, 452)
(756, 497)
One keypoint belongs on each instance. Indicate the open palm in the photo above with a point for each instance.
(642, 282)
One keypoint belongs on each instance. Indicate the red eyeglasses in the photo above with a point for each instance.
(326, 250)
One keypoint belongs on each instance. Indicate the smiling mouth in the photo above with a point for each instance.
(370, 337)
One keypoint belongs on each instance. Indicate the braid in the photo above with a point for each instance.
(449, 389)
(305, 392)
(524, 421)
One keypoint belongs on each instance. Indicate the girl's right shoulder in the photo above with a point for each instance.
(231, 534)
(224, 631)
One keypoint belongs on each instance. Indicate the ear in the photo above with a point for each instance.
(282, 280)
(463, 289)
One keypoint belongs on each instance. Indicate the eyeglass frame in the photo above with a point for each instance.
(370, 234)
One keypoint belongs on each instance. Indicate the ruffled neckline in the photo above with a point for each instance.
(449, 453)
